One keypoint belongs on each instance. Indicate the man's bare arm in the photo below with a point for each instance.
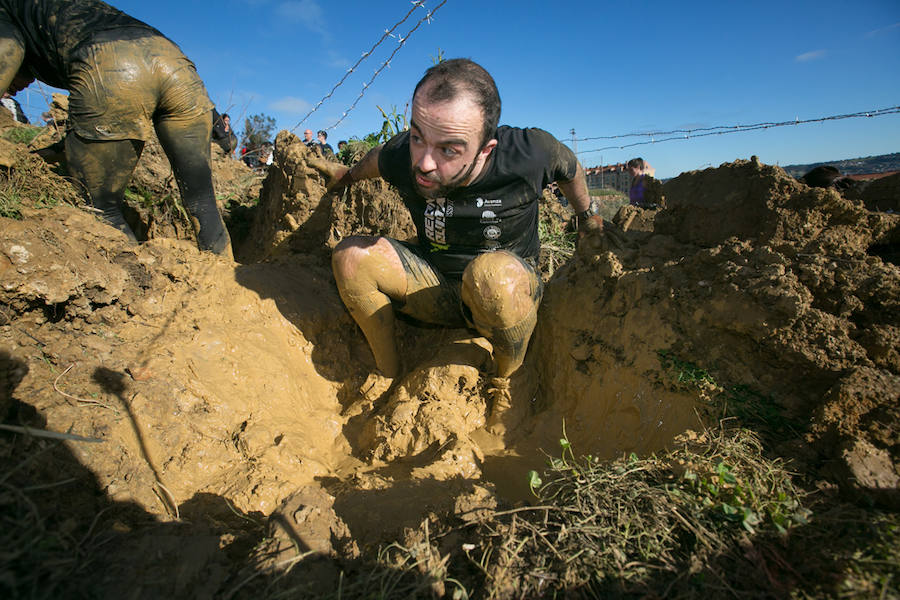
(339, 176)
(576, 191)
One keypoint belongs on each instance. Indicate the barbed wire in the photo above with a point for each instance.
(723, 129)
(387, 33)
(387, 63)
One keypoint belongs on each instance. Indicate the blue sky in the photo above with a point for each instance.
(600, 68)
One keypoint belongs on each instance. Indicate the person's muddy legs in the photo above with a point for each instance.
(369, 274)
(187, 145)
(503, 294)
(105, 169)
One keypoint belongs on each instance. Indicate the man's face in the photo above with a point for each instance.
(307, 135)
(321, 138)
(445, 144)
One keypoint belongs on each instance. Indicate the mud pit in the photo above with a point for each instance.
(223, 391)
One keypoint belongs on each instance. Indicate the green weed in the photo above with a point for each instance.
(21, 135)
(684, 372)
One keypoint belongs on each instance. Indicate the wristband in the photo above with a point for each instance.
(586, 214)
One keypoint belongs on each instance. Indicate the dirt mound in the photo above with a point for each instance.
(228, 393)
(882, 194)
(295, 215)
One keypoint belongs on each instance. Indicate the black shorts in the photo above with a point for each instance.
(433, 298)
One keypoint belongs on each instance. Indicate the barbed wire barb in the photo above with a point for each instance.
(386, 63)
(387, 32)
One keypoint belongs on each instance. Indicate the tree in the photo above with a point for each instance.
(258, 129)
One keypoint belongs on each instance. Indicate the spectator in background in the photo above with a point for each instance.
(266, 154)
(645, 190)
(324, 146)
(308, 138)
(222, 133)
(13, 106)
(341, 145)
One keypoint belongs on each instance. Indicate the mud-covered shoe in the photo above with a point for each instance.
(373, 388)
(501, 402)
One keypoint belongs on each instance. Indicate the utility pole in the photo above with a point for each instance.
(574, 143)
(601, 172)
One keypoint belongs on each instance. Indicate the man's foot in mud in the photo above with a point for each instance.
(500, 403)
(373, 389)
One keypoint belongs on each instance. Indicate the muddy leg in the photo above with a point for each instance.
(105, 168)
(369, 274)
(503, 295)
(12, 53)
(186, 143)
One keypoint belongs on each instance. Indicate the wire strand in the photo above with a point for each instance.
(387, 33)
(724, 129)
(386, 63)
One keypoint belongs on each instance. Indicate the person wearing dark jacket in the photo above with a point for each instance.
(125, 79)
(222, 134)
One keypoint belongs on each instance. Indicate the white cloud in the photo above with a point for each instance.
(808, 56)
(881, 30)
(307, 12)
(290, 104)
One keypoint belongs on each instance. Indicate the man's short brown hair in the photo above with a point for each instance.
(447, 79)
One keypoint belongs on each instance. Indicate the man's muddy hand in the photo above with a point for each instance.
(337, 176)
(600, 236)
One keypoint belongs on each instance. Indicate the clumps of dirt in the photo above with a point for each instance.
(765, 283)
(296, 216)
(882, 194)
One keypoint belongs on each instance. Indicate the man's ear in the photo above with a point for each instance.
(488, 148)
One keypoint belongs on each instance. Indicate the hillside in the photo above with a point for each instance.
(882, 163)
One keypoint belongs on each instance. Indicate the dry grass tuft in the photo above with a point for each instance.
(31, 183)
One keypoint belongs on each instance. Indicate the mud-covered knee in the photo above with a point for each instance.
(346, 256)
(498, 290)
(364, 263)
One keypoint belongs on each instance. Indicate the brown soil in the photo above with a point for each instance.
(219, 389)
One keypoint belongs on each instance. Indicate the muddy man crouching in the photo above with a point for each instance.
(472, 189)
(124, 78)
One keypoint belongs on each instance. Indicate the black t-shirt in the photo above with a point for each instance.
(51, 31)
(498, 211)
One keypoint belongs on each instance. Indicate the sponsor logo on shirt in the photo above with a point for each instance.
(481, 202)
(489, 216)
(435, 220)
(491, 232)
